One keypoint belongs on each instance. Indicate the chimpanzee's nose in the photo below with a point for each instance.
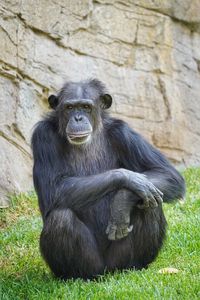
(78, 118)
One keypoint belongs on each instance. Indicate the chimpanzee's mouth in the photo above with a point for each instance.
(79, 137)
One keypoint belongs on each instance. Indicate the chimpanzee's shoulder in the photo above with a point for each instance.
(116, 127)
(44, 128)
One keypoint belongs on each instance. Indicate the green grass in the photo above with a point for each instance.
(24, 275)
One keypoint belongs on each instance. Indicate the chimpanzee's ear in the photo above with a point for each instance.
(106, 101)
(53, 101)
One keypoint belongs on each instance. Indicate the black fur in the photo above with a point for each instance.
(76, 185)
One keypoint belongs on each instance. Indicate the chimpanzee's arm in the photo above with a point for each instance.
(138, 155)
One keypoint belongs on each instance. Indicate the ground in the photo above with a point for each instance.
(24, 275)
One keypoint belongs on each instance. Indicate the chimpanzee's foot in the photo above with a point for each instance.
(118, 231)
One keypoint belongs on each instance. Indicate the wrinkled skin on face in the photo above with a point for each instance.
(76, 115)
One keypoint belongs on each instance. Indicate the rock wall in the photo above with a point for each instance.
(147, 52)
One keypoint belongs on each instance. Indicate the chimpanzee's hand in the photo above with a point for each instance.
(140, 184)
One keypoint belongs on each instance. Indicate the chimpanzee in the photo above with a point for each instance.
(100, 186)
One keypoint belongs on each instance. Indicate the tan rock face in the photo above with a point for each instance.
(147, 53)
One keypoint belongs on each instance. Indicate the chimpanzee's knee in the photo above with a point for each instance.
(68, 246)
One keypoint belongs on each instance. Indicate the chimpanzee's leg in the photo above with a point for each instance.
(68, 246)
(143, 243)
(120, 210)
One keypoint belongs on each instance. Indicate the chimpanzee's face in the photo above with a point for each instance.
(79, 110)
(77, 117)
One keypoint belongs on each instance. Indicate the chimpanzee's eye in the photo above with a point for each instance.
(87, 107)
(69, 107)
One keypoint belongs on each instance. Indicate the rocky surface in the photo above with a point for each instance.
(147, 52)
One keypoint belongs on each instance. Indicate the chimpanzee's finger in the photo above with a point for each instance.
(112, 232)
(152, 201)
(157, 195)
(145, 197)
(159, 192)
(123, 231)
(120, 233)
